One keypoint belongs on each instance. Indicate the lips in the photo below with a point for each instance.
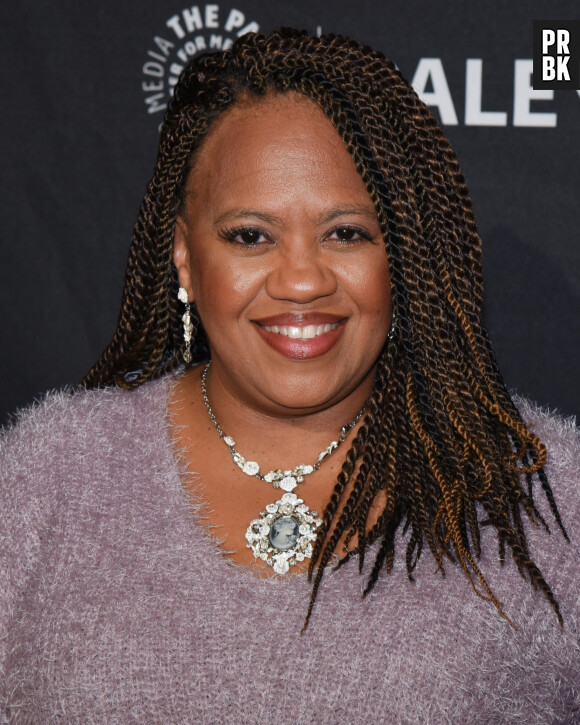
(301, 337)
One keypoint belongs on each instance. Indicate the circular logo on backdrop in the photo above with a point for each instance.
(196, 29)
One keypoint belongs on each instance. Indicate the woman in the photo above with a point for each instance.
(310, 382)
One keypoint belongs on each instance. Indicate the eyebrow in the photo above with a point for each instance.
(327, 217)
(358, 209)
(233, 214)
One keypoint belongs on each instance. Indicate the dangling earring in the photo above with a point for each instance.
(187, 326)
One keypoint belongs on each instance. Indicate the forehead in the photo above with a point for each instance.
(256, 121)
(281, 144)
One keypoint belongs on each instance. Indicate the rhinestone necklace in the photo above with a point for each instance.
(284, 533)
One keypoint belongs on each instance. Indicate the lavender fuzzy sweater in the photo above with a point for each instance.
(116, 606)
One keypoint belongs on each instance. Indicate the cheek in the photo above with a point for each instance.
(379, 311)
(223, 288)
(370, 288)
(376, 310)
(380, 287)
(382, 293)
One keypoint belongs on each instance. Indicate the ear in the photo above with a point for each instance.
(181, 256)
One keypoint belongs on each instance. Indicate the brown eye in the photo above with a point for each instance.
(249, 236)
(346, 234)
(349, 235)
(244, 236)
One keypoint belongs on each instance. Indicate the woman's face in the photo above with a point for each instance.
(279, 246)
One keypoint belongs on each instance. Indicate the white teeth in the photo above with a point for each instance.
(309, 332)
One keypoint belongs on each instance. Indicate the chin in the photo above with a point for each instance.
(309, 393)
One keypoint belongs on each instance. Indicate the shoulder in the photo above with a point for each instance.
(64, 419)
(69, 453)
(68, 436)
(561, 436)
(556, 555)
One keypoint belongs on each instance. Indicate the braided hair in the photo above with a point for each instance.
(442, 445)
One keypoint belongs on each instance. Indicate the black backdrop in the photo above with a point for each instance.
(79, 126)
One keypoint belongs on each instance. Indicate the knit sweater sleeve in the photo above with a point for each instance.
(29, 468)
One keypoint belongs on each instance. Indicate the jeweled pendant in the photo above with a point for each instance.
(284, 533)
(288, 483)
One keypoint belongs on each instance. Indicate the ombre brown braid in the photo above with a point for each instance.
(442, 444)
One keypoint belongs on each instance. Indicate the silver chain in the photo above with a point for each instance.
(288, 479)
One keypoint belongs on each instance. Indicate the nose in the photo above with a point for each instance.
(302, 273)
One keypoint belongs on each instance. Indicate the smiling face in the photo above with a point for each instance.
(279, 246)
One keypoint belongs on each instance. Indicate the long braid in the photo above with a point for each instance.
(442, 449)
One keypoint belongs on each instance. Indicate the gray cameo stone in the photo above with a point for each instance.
(284, 533)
